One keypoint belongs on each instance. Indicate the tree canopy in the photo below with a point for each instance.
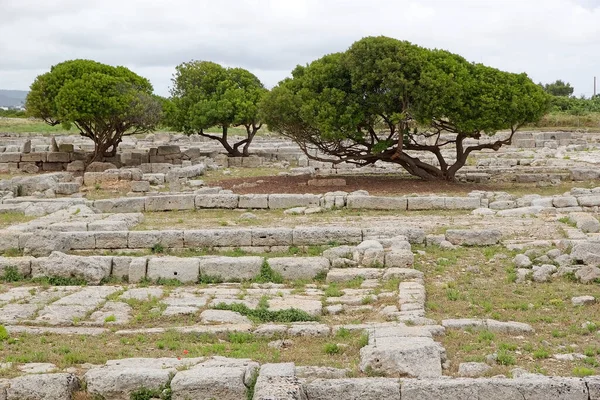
(559, 88)
(389, 100)
(205, 95)
(103, 102)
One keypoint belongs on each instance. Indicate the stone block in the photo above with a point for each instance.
(22, 264)
(271, 237)
(170, 202)
(284, 200)
(426, 203)
(121, 205)
(589, 201)
(146, 239)
(348, 274)
(218, 238)
(111, 240)
(91, 269)
(326, 235)
(217, 201)
(223, 383)
(253, 201)
(462, 203)
(353, 389)
(43, 387)
(185, 270)
(58, 157)
(140, 186)
(564, 201)
(66, 188)
(530, 388)
(10, 157)
(473, 237)
(231, 268)
(82, 240)
(33, 157)
(399, 259)
(417, 357)
(377, 203)
(137, 269)
(9, 240)
(118, 383)
(297, 268)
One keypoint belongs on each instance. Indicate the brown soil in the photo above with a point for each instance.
(376, 185)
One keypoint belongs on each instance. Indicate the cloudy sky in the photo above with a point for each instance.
(548, 39)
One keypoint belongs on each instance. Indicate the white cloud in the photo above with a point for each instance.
(553, 39)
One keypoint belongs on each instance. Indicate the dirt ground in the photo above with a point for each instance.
(374, 184)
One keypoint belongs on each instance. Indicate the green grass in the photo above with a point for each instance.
(262, 314)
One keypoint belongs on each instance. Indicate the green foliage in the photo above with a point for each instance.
(3, 334)
(331, 348)
(333, 291)
(103, 102)
(262, 314)
(382, 96)
(60, 281)
(157, 248)
(583, 372)
(11, 274)
(505, 358)
(267, 274)
(205, 95)
(12, 113)
(558, 88)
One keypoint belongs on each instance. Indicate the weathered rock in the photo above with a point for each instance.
(119, 382)
(43, 387)
(354, 389)
(473, 237)
(203, 382)
(530, 388)
(45, 242)
(296, 268)
(183, 269)
(231, 268)
(542, 273)
(473, 369)
(583, 300)
(91, 269)
(588, 273)
(522, 261)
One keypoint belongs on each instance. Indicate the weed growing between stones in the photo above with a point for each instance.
(157, 248)
(11, 274)
(267, 274)
(261, 314)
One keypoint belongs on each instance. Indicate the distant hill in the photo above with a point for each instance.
(12, 98)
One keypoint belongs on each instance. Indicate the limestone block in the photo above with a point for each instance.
(231, 268)
(140, 186)
(531, 388)
(10, 157)
(121, 205)
(146, 239)
(170, 202)
(462, 203)
(353, 389)
(120, 267)
(218, 238)
(399, 259)
(82, 240)
(66, 188)
(223, 383)
(586, 222)
(417, 357)
(34, 157)
(426, 203)
(284, 200)
(473, 237)
(564, 201)
(502, 205)
(43, 387)
(91, 269)
(254, 201)
(348, 274)
(185, 270)
(296, 268)
(271, 236)
(111, 239)
(589, 201)
(325, 235)
(59, 157)
(377, 203)
(45, 242)
(414, 235)
(118, 383)
(22, 264)
(137, 269)
(216, 201)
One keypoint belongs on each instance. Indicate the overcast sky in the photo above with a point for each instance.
(548, 39)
